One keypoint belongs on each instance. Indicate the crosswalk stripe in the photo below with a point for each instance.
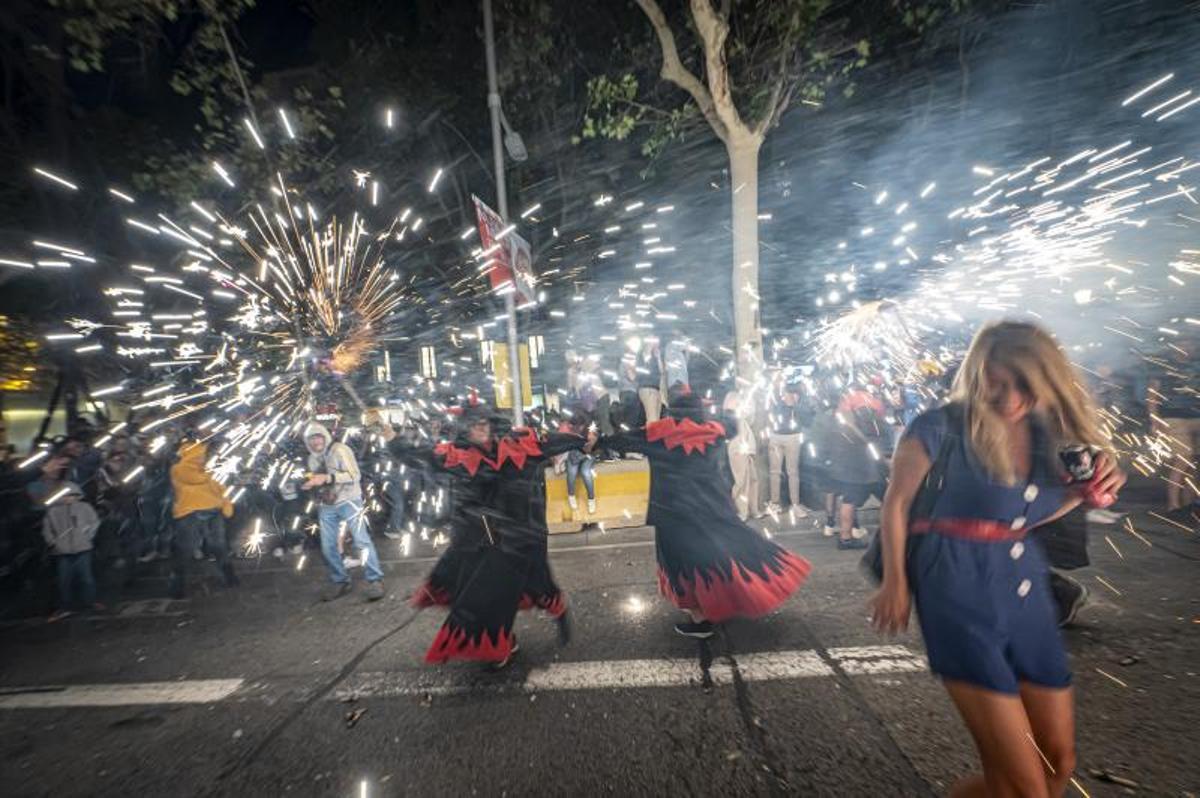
(644, 673)
(198, 691)
(631, 674)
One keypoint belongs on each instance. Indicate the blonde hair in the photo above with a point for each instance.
(1041, 370)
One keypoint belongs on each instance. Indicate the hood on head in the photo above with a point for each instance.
(192, 451)
(316, 428)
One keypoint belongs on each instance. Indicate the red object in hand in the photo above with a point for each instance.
(1099, 500)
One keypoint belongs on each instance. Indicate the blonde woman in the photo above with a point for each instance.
(981, 589)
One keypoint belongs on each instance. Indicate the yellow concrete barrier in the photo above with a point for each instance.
(622, 495)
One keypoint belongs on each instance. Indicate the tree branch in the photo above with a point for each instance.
(675, 72)
(714, 30)
(778, 101)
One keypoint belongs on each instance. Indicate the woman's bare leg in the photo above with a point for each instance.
(1051, 713)
(1004, 738)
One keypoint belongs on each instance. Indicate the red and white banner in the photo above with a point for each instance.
(504, 252)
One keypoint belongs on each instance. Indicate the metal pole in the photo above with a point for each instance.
(510, 305)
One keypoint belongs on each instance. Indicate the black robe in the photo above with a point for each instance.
(497, 559)
(709, 560)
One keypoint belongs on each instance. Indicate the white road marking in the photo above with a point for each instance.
(200, 691)
(630, 674)
(615, 674)
(641, 673)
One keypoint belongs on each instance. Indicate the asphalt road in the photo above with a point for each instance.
(261, 690)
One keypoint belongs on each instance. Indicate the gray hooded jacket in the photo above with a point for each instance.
(70, 526)
(338, 461)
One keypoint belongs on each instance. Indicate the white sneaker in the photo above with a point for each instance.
(298, 548)
(800, 511)
(350, 562)
(571, 502)
(829, 531)
(858, 533)
(1099, 516)
(277, 552)
(592, 506)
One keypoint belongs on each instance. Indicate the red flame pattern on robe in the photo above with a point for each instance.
(452, 642)
(744, 594)
(691, 436)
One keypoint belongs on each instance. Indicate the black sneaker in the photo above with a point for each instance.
(851, 543)
(1069, 597)
(701, 631)
(564, 628)
(504, 663)
(335, 591)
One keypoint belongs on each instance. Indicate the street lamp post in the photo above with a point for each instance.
(510, 304)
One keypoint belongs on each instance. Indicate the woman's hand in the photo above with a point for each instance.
(890, 608)
(1102, 489)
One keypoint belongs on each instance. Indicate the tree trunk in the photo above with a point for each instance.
(747, 331)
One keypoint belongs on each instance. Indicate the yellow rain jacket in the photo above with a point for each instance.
(194, 487)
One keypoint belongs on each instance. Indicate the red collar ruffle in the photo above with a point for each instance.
(691, 436)
(518, 448)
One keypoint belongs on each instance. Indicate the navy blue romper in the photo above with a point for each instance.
(981, 589)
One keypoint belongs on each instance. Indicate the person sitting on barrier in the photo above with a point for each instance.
(578, 463)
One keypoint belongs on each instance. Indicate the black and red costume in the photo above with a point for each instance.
(496, 562)
(709, 561)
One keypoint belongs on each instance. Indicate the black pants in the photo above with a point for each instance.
(207, 526)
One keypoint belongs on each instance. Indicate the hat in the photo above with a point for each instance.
(687, 405)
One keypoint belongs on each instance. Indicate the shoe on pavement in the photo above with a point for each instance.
(277, 552)
(773, 508)
(800, 511)
(851, 543)
(149, 556)
(375, 591)
(858, 533)
(58, 615)
(298, 548)
(334, 591)
(350, 562)
(701, 630)
(1097, 515)
(829, 531)
(1070, 596)
(504, 663)
(572, 503)
(392, 534)
(563, 622)
(592, 506)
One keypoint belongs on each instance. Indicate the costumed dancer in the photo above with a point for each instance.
(710, 563)
(496, 561)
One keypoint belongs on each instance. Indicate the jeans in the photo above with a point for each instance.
(72, 568)
(581, 465)
(394, 491)
(332, 518)
(202, 526)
